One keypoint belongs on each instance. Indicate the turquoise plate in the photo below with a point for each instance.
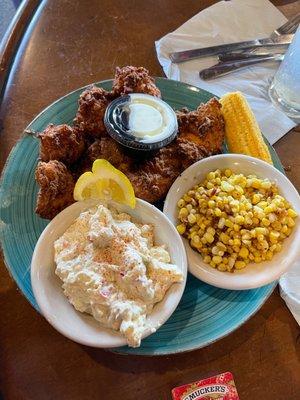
(205, 313)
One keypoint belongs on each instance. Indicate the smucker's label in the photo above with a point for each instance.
(219, 387)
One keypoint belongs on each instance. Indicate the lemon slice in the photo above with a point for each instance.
(104, 182)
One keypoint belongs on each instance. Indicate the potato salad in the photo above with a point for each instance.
(111, 269)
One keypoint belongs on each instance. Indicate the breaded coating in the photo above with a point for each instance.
(111, 151)
(62, 143)
(134, 80)
(56, 188)
(92, 105)
(204, 126)
(189, 152)
(152, 178)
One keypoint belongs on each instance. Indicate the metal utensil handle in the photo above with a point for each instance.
(242, 56)
(213, 50)
(225, 68)
(186, 55)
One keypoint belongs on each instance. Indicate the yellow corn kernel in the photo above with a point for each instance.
(228, 223)
(284, 229)
(274, 236)
(193, 234)
(192, 219)
(227, 172)
(278, 247)
(269, 255)
(218, 212)
(211, 204)
(189, 207)
(210, 176)
(212, 264)
(269, 209)
(209, 237)
(256, 198)
(265, 222)
(222, 267)
(244, 252)
(224, 238)
(290, 222)
(183, 213)
(257, 259)
(226, 187)
(292, 213)
(236, 227)
(239, 219)
(181, 203)
(217, 259)
(277, 226)
(181, 228)
(187, 198)
(240, 264)
(207, 259)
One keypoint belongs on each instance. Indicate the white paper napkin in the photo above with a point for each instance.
(227, 22)
(290, 290)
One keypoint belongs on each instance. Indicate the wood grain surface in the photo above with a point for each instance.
(67, 45)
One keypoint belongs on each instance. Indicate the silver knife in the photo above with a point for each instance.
(186, 55)
(224, 68)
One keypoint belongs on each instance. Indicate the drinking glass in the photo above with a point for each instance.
(285, 87)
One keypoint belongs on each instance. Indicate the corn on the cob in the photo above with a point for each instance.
(241, 128)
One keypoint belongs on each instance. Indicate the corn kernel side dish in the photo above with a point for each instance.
(232, 219)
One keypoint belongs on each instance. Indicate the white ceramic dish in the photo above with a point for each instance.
(254, 275)
(47, 287)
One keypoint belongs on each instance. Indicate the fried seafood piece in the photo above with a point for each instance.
(108, 149)
(189, 152)
(56, 188)
(152, 178)
(204, 127)
(62, 143)
(134, 80)
(92, 105)
(111, 151)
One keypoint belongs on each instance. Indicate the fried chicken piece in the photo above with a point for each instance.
(56, 188)
(92, 105)
(152, 178)
(204, 127)
(108, 149)
(189, 152)
(134, 80)
(62, 143)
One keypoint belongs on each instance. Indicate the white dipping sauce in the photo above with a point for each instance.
(150, 118)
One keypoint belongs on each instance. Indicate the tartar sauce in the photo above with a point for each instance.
(149, 118)
(111, 269)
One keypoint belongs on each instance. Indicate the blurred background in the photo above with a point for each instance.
(7, 11)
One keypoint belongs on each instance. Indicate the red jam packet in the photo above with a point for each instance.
(219, 387)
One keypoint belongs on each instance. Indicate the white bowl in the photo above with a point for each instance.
(47, 287)
(254, 275)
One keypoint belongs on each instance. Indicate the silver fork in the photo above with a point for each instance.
(289, 27)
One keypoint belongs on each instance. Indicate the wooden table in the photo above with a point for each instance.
(70, 44)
